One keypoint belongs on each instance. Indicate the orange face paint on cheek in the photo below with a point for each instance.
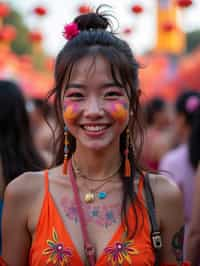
(119, 110)
(70, 112)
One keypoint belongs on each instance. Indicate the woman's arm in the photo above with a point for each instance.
(193, 241)
(169, 208)
(15, 236)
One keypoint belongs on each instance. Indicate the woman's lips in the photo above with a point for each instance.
(95, 130)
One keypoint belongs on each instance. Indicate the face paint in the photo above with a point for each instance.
(119, 110)
(70, 112)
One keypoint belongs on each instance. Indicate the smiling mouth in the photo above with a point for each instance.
(95, 128)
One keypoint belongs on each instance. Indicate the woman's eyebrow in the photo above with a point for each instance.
(111, 84)
(104, 85)
(76, 85)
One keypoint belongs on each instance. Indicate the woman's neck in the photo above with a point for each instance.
(97, 164)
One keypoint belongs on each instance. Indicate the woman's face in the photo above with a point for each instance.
(95, 108)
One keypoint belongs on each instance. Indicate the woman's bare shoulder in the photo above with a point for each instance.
(25, 186)
(163, 185)
(167, 195)
(30, 186)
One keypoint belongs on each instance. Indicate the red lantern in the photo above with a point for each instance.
(35, 36)
(137, 9)
(184, 3)
(168, 26)
(127, 31)
(4, 10)
(84, 9)
(8, 33)
(40, 11)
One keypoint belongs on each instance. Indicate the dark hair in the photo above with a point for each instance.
(152, 107)
(44, 107)
(192, 118)
(94, 40)
(17, 151)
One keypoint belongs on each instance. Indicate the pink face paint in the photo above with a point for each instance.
(119, 110)
(70, 112)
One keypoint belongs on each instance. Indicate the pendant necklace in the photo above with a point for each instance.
(91, 194)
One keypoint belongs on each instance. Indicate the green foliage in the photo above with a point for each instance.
(20, 45)
(193, 40)
(38, 60)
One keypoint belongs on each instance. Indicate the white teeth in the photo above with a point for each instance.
(94, 128)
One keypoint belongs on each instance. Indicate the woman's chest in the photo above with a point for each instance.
(114, 250)
(103, 220)
(59, 234)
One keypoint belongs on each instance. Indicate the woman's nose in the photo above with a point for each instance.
(93, 107)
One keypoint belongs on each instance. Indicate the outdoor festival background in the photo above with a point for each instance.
(169, 52)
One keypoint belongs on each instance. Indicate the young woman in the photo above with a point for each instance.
(193, 240)
(159, 137)
(18, 153)
(182, 162)
(92, 208)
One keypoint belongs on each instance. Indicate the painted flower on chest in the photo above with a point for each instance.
(120, 253)
(57, 254)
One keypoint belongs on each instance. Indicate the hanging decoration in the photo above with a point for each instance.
(8, 33)
(40, 11)
(184, 3)
(4, 10)
(137, 9)
(168, 26)
(84, 9)
(35, 36)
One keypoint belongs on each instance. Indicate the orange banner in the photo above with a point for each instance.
(170, 38)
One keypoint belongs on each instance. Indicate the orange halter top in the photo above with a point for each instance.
(52, 244)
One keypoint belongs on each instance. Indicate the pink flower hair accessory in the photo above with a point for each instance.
(192, 104)
(71, 30)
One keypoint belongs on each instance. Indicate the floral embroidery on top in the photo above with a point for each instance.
(58, 254)
(121, 252)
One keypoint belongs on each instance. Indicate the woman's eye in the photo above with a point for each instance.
(112, 94)
(75, 95)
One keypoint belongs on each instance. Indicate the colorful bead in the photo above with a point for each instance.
(102, 195)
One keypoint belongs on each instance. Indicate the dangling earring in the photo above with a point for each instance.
(65, 151)
(126, 153)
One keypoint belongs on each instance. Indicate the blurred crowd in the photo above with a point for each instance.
(171, 140)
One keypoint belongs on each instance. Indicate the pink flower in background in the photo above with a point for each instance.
(192, 104)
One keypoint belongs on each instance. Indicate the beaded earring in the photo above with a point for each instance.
(65, 151)
(126, 153)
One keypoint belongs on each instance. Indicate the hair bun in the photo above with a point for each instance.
(93, 20)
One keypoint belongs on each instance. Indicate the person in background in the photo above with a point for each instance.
(91, 208)
(181, 163)
(18, 153)
(42, 124)
(193, 239)
(159, 135)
